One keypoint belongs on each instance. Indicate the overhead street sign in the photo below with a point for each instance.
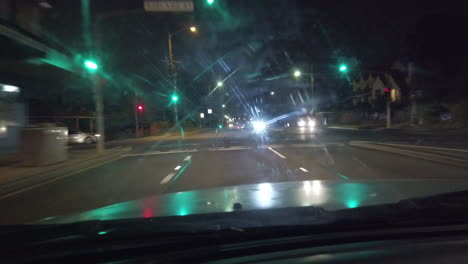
(168, 5)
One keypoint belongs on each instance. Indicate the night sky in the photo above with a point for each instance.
(267, 39)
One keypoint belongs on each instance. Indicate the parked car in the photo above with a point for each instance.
(80, 137)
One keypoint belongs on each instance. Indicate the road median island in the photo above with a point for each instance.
(414, 153)
(14, 178)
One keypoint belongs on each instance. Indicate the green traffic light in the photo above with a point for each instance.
(91, 65)
(209, 2)
(175, 98)
(343, 68)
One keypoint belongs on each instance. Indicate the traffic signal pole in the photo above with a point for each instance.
(173, 77)
(389, 113)
(99, 98)
(136, 117)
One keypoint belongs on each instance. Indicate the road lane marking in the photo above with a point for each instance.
(342, 176)
(56, 179)
(178, 167)
(168, 178)
(304, 170)
(160, 153)
(346, 128)
(233, 148)
(277, 153)
(229, 148)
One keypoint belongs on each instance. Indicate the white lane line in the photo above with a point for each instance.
(187, 158)
(168, 178)
(160, 153)
(178, 167)
(304, 170)
(277, 153)
(228, 148)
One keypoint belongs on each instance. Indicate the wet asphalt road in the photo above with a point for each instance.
(226, 159)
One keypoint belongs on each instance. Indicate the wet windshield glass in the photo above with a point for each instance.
(150, 108)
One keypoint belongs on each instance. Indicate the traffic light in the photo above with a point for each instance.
(210, 2)
(91, 65)
(386, 93)
(343, 68)
(140, 108)
(175, 98)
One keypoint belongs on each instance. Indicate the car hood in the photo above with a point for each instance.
(329, 195)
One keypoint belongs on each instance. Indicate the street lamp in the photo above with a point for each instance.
(297, 73)
(272, 93)
(193, 29)
(90, 65)
(223, 105)
(219, 84)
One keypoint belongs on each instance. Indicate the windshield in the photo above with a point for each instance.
(198, 106)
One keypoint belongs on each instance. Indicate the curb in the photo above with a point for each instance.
(162, 136)
(411, 153)
(13, 188)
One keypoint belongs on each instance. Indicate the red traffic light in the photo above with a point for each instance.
(387, 90)
(140, 108)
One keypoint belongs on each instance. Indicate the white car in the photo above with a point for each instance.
(80, 137)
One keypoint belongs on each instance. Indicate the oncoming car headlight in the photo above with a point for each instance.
(301, 123)
(259, 126)
(311, 123)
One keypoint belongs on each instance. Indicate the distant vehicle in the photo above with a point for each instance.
(80, 137)
(237, 125)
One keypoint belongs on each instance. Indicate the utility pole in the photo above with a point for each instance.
(311, 81)
(98, 80)
(389, 113)
(136, 117)
(173, 76)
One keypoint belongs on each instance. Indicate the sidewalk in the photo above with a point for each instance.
(14, 177)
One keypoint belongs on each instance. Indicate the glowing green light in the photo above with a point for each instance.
(352, 204)
(175, 98)
(182, 212)
(209, 2)
(220, 126)
(343, 68)
(90, 65)
(102, 232)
